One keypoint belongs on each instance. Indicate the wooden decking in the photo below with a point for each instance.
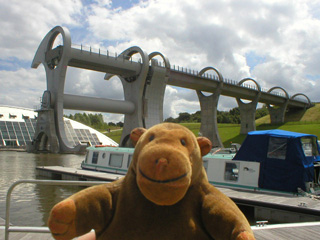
(279, 208)
(293, 203)
(309, 231)
(23, 236)
(66, 173)
(27, 236)
(299, 208)
(299, 231)
(276, 200)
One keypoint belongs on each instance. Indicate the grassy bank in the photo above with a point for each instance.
(304, 121)
(230, 132)
(302, 116)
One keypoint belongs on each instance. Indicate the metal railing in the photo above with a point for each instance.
(10, 228)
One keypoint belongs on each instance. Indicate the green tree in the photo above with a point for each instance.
(120, 124)
(171, 119)
(261, 112)
(196, 117)
(184, 117)
(111, 124)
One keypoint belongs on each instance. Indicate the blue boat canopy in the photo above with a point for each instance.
(286, 158)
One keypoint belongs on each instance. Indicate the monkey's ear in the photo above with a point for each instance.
(205, 145)
(136, 134)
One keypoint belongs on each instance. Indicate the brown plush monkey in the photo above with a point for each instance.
(165, 195)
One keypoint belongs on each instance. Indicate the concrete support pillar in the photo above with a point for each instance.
(133, 88)
(145, 91)
(45, 131)
(55, 63)
(208, 105)
(248, 110)
(45, 136)
(154, 90)
(247, 116)
(277, 113)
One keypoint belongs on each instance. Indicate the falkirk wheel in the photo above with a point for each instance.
(144, 84)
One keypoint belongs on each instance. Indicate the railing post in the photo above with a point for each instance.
(41, 182)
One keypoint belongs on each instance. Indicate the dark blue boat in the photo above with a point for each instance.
(288, 160)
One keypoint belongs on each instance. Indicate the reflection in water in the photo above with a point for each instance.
(30, 203)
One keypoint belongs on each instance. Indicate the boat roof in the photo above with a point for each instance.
(227, 156)
(111, 149)
(281, 133)
(105, 148)
(284, 165)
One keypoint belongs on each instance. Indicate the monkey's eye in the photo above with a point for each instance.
(151, 138)
(183, 142)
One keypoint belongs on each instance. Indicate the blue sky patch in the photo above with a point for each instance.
(253, 59)
(123, 4)
(313, 77)
(13, 64)
(115, 3)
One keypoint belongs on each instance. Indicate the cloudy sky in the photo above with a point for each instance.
(276, 42)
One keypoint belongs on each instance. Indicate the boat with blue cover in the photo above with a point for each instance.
(271, 160)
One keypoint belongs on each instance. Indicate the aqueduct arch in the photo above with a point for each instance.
(144, 85)
(248, 110)
(277, 114)
(209, 105)
(301, 94)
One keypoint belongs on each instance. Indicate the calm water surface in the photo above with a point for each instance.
(30, 203)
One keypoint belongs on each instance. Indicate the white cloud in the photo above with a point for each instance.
(115, 118)
(282, 37)
(107, 117)
(177, 100)
(22, 88)
(25, 23)
(92, 84)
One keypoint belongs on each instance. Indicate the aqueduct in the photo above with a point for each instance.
(144, 84)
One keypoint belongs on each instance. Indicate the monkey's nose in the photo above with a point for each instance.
(161, 165)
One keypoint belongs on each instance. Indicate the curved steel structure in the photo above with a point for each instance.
(248, 110)
(209, 105)
(155, 89)
(164, 58)
(277, 87)
(144, 84)
(55, 62)
(255, 82)
(204, 70)
(133, 86)
(277, 114)
(301, 94)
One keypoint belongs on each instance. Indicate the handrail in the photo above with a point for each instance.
(9, 228)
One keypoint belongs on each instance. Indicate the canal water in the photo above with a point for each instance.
(31, 204)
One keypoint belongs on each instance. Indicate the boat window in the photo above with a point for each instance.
(103, 155)
(87, 157)
(277, 148)
(116, 160)
(231, 172)
(205, 165)
(129, 160)
(95, 156)
(309, 146)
